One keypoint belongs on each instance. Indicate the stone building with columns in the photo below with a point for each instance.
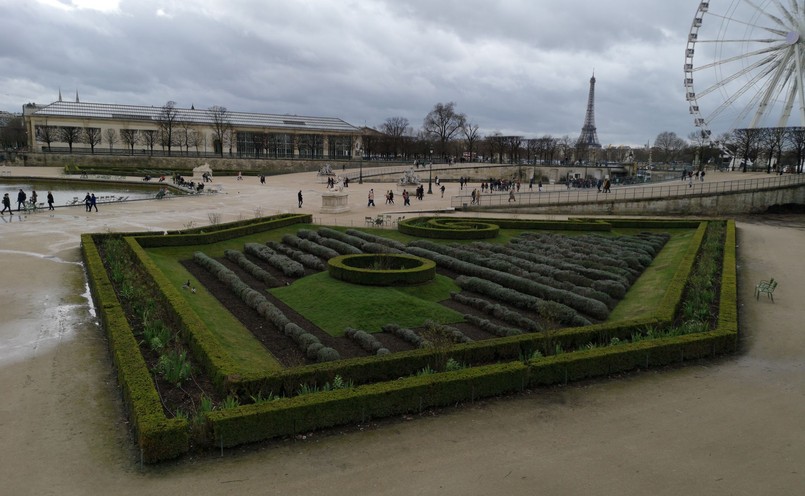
(107, 128)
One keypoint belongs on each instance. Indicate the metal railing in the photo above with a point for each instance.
(625, 193)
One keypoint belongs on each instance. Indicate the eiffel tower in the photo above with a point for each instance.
(589, 137)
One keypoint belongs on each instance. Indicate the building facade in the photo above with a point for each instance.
(131, 129)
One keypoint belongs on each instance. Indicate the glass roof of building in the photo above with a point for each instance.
(151, 114)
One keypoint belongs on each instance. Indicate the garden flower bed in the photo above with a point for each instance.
(297, 350)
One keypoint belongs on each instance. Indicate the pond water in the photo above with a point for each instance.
(73, 192)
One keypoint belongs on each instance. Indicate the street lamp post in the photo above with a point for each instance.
(430, 174)
(360, 167)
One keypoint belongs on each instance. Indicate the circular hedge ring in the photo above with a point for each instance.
(382, 269)
(448, 228)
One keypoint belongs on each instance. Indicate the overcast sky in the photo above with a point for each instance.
(519, 67)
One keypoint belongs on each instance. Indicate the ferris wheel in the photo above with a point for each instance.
(744, 64)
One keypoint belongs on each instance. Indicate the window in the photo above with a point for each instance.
(340, 147)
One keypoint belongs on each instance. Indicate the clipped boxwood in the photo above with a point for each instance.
(304, 413)
(387, 269)
(222, 232)
(159, 437)
(442, 228)
(386, 386)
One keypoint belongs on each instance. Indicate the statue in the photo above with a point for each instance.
(326, 170)
(409, 177)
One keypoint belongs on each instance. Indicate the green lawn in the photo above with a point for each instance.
(232, 336)
(367, 307)
(646, 293)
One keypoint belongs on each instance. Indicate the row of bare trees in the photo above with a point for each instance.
(766, 148)
(449, 134)
(172, 132)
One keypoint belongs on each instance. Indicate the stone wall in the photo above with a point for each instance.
(219, 165)
(715, 205)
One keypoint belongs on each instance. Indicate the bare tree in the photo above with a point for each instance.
(167, 120)
(746, 142)
(70, 135)
(184, 135)
(111, 138)
(150, 137)
(221, 127)
(669, 144)
(796, 138)
(565, 148)
(513, 146)
(550, 145)
(92, 136)
(699, 141)
(471, 136)
(395, 129)
(130, 138)
(195, 139)
(442, 123)
(12, 134)
(47, 134)
(772, 140)
(497, 145)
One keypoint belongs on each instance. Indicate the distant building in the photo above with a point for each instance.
(79, 126)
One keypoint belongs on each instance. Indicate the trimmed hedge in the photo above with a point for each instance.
(159, 437)
(385, 383)
(223, 232)
(289, 416)
(359, 269)
(442, 228)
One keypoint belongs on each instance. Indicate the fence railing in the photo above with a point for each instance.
(634, 192)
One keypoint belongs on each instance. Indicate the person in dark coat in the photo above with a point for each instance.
(299, 198)
(50, 201)
(7, 205)
(21, 197)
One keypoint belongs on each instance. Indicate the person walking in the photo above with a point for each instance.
(371, 198)
(34, 199)
(299, 198)
(7, 205)
(442, 190)
(93, 203)
(87, 202)
(511, 196)
(21, 197)
(50, 201)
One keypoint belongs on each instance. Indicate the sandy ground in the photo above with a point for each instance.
(734, 426)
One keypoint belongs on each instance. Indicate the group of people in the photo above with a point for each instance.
(22, 200)
(179, 180)
(691, 176)
(604, 185)
(91, 202)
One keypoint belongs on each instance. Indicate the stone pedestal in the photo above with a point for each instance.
(334, 202)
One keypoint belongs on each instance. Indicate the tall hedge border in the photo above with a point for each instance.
(222, 232)
(159, 437)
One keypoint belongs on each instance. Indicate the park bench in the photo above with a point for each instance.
(767, 288)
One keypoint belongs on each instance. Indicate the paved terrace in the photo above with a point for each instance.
(247, 198)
